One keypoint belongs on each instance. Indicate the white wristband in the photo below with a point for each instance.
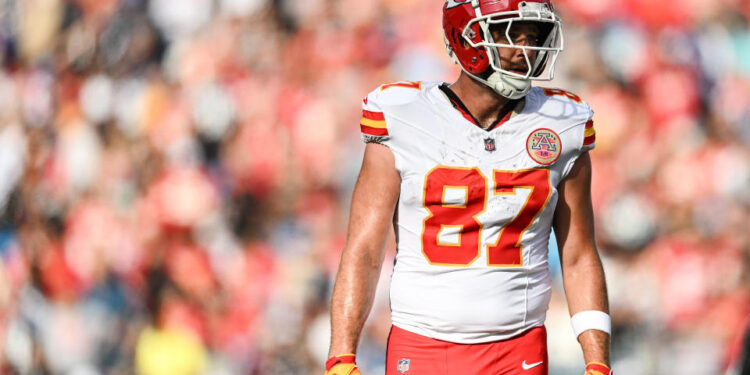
(591, 319)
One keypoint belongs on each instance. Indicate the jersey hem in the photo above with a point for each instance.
(483, 340)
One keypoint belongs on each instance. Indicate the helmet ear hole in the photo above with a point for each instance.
(457, 38)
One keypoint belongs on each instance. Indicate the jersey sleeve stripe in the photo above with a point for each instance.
(588, 141)
(369, 130)
(377, 116)
(589, 134)
(372, 123)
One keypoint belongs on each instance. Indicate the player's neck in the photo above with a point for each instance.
(480, 100)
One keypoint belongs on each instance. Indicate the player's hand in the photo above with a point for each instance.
(343, 364)
(597, 368)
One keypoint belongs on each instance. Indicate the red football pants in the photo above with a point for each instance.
(412, 354)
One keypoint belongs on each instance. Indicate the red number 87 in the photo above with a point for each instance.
(507, 251)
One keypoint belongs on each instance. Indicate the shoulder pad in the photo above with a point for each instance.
(563, 103)
(375, 107)
(571, 112)
(562, 94)
(397, 93)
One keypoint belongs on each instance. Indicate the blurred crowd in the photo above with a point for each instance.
(175, 178)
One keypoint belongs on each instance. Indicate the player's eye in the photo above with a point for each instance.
(520, 34)
(527, 39)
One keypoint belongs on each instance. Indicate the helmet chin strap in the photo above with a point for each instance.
(509, 87)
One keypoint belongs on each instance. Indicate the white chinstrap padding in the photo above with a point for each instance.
(591, 319)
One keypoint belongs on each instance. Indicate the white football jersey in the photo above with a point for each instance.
(475, 210)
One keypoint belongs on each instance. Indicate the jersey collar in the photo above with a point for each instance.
(504, 115)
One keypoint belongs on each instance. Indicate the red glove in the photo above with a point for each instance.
(597, 368)
(343, 364)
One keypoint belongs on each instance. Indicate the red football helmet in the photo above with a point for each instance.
(468, 26)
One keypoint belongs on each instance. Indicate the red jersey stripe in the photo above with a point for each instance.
(590, 124)
(467, 116)
(378, 116)
(589, 140)
(369, 130)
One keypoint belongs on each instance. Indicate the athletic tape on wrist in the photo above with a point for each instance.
(591, 319)
(598, 368)
(341, 358)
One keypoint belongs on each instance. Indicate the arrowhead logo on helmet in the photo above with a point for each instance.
(454, 3)
(470, 44)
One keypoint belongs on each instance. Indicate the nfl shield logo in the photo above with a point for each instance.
(403, 365)
(489, 144)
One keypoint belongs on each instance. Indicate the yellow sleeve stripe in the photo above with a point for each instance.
(373, 123)
(589, 132)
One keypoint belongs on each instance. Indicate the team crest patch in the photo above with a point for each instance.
(544, 146)
(489, 144)
(403, 365)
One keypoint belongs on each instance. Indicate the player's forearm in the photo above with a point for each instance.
(586, 290)
(352, 298)
(584, 283)
(373, 204)
(595, 345)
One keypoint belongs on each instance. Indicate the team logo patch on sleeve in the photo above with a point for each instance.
(544, 146)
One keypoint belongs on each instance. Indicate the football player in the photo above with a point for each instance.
(473, 176)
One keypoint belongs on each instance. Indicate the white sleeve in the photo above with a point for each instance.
(373, 125)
